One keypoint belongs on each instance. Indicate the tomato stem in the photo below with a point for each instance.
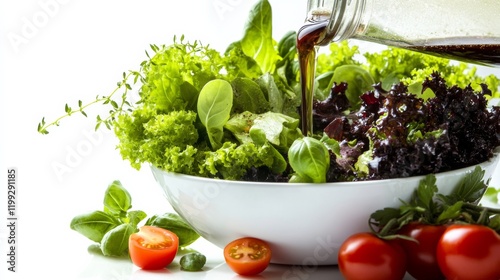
(483, 217)
(490, 210)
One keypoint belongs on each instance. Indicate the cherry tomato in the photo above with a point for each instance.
(247, 256)
(469, 252)
(366, 256)
(421, 255)
(153, 247)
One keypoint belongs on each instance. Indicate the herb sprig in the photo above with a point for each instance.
(427, 206)
(118, 106)
(112, 226)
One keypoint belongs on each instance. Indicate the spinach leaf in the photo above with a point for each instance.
(288, 67)
(271, 92)
(248, 96)
(310, 159)
(214, 108)
(117, 200)
(115, 241)
(257, 41)
(239, 64)
(94, 225)
(175, 224)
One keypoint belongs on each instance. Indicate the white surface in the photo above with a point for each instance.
(303, 223)
(53, 52)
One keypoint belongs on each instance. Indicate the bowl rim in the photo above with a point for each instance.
(492, 160)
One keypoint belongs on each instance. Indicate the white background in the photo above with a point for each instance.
(54, 52)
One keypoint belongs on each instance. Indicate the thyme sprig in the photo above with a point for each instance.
(118, 105)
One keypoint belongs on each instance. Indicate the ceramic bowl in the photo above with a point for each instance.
(304, 224)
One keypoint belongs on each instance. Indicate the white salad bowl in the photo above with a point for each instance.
(304, 224)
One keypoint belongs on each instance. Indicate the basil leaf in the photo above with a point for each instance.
(117, 199)
(115, 241)
(257, 41)
(309, 158)
(214, 108)
(177, 225)
(193, 261)
(135, 217)
(94, 225)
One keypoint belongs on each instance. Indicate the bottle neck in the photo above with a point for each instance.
(344, 18)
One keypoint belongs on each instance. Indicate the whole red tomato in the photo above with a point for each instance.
(421, 255)
(366, 256)
(469, 252)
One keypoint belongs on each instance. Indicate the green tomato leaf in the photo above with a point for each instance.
(115, 241)
(450, 212)
(309, 158)
(94, 225)
(423, 197)
(383, 216)
(471, 188)
(495, 222)
(117, 199)
(175, 224)
(214, 108)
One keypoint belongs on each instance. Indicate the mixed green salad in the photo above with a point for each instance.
(234, 114)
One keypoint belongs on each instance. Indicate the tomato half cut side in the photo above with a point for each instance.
(247, 256)
(152, 247)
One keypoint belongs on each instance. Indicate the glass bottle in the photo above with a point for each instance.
(460, 29)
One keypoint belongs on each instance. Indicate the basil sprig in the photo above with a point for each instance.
(112, 226)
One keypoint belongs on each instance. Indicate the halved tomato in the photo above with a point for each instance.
(153, 247)
(247, 256)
